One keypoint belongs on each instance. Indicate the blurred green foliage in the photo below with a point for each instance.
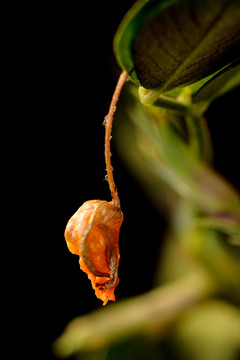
(193, 312)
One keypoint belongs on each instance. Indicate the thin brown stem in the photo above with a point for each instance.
(108, 131)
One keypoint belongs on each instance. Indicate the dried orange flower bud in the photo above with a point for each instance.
(92, 233)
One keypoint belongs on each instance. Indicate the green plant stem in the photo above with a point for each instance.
(198, 134)
(199, 137)
(171, 104)
(145, 314)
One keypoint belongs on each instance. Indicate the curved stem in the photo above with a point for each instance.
(108, 130)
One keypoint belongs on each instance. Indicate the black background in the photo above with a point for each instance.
(63, 73)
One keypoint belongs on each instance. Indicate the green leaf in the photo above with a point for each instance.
(127, 30)
(218, 84)
(208, 88)
(168, 44)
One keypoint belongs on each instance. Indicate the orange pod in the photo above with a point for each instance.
(92, 233)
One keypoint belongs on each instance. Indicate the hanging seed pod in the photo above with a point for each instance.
(92, 233)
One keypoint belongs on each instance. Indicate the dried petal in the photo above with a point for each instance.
(92, 233)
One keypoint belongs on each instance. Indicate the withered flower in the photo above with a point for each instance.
(93, 231)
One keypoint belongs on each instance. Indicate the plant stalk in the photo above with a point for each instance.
(108, 130)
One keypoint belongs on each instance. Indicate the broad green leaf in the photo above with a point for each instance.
(129, 27)
(218, 84)
(212, 86)
(168, 44)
